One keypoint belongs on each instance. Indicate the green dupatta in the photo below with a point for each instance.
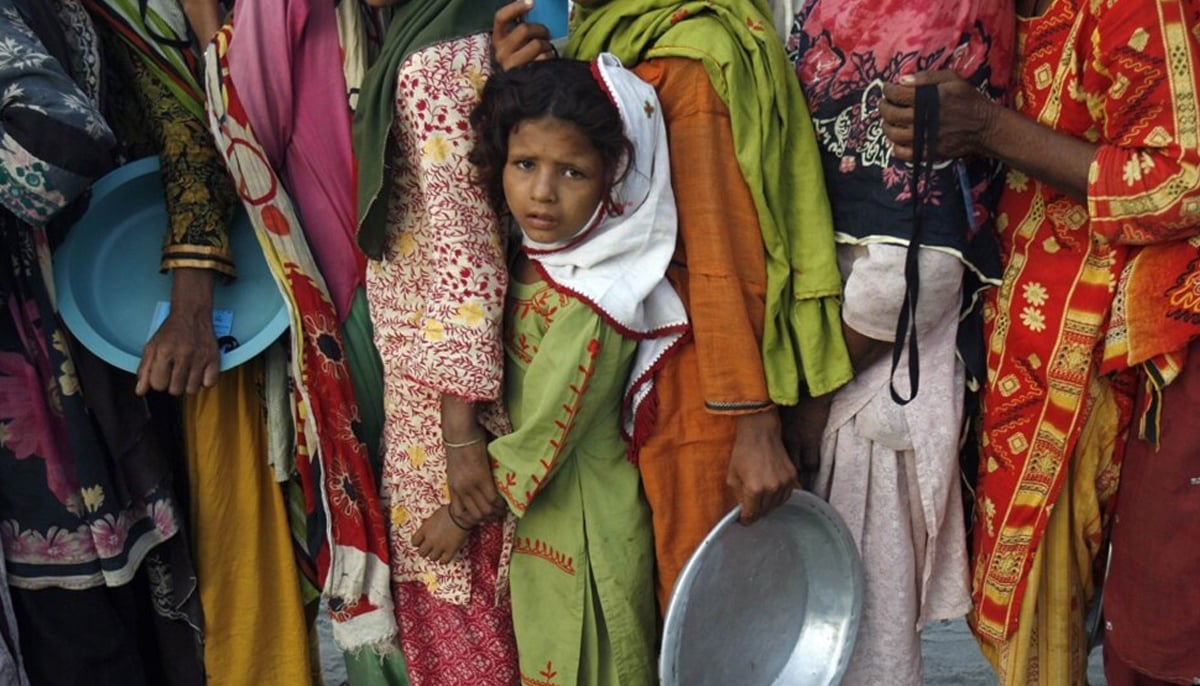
(414, 25)
(778, 155)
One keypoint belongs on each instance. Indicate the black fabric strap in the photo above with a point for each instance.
(925, 133)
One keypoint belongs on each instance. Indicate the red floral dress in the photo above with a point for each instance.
(437, 303)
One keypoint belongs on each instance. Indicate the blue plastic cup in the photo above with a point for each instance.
(552, 14)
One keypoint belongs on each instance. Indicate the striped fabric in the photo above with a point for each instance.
(158, 30)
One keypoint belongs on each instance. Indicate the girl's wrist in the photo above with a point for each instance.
(465, 442)
(450, 511)
(459, 421)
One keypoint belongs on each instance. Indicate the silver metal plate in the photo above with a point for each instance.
(773, 604)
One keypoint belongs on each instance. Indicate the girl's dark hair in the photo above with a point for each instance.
(559, 88)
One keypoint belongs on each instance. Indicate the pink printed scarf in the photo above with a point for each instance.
(340, 493)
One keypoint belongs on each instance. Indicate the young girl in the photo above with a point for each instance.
(578, 156)
(435, 286)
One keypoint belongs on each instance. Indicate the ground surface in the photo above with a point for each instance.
(950, 653)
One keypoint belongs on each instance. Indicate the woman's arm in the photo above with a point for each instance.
(1137, 160)
(204, 16)
(972, 124)
(726, 280)
(182, 356)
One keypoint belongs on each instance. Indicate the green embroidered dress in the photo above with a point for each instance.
(583, 560)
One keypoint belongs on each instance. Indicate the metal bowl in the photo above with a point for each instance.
(773, 604)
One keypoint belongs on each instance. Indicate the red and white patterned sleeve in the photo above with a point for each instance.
(457, 350)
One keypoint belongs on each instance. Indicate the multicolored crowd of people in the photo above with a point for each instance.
(557, 306)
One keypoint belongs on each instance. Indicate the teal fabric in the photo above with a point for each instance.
(366, 374)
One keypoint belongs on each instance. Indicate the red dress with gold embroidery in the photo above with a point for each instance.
(1120, 74)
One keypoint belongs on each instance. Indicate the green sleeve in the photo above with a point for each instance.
(573, 385)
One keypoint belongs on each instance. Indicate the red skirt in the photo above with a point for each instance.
(460, 645)
(1152, 598)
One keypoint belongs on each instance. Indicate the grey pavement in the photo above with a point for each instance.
(950, 655)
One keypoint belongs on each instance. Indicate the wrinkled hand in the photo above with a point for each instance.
(516, 43)
(760, 472)
(473, 494)
(182, 356)
(965, 121)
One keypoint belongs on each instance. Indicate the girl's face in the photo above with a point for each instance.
(554, 178)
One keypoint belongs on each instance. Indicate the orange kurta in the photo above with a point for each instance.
(719, 271)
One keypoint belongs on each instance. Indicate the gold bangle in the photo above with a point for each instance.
(473, 441)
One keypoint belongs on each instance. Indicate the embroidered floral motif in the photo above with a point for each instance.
(543, 550)
(546, 677)
(1035, 293)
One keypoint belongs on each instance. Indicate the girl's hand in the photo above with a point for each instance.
(760, 472)
(965, 122)
(473, 494)
(516, 43)
(440, 538)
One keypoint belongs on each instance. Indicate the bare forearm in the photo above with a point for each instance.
(1056, 159)
(972, 124)
(204, 16)
(192, 291)
(459, 421)
(863, 349)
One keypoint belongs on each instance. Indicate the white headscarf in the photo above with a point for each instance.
(618, 262)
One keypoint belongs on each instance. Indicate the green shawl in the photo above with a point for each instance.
(778, 155)
(414, 25)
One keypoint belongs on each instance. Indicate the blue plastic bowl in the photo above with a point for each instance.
(108, 283)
